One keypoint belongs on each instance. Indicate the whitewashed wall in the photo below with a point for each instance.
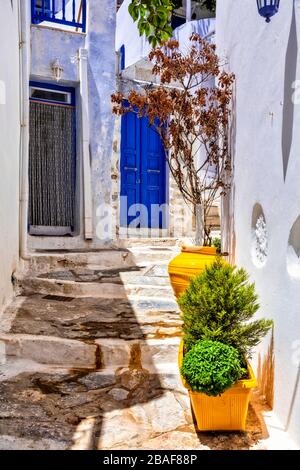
(9, 146)
(266, 147)
(49, 43)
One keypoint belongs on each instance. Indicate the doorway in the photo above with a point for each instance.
(52, 160)
(143, 175)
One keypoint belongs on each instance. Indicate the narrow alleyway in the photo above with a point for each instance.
(89, 358)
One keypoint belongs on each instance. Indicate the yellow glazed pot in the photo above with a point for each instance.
(188, 264)
(227, 412)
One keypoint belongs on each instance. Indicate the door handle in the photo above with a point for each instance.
(153, 171)
(128, 168)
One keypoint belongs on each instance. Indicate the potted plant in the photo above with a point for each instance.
(218, 339)
(190, 109)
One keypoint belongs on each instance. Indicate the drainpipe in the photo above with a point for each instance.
(24, 42)
(188, 6)
(85, 132)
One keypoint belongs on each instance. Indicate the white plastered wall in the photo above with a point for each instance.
(9, 147)
(266, 140)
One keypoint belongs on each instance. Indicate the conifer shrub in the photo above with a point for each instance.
(218, 305)
(211, 367)
(217, 244)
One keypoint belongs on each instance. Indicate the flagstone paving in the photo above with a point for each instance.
(98, 372)
(60, 409)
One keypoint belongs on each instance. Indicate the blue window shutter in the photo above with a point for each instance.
(122, 57)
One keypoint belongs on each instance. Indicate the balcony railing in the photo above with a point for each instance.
(64, 12)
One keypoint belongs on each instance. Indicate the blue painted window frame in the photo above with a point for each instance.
(65, 89)
(52, 86)
(45, 10)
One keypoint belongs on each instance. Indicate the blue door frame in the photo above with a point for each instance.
(143, 174)
(42, 194)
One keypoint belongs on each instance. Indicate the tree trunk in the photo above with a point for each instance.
(199, 225)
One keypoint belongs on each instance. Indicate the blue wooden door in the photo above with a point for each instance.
(143, 174)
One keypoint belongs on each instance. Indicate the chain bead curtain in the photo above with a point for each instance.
(52, 152)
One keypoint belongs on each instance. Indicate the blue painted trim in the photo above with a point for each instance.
(122, 57)
(84, 16)
(52, 86)
(71, 90)
(43, 10)
(46, 11)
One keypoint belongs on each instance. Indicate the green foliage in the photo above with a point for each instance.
(218, 305)
(154, 17)
(211, 367)
(217, 244)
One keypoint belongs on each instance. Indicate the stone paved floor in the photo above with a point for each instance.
(121, 389)
(56, 409)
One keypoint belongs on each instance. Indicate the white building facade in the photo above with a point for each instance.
(10, 120)
(261, 226)
(69, 78)
(57, 74)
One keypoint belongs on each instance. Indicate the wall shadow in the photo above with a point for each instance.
(68, 406)
(288, 105)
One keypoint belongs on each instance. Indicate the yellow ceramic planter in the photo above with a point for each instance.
(228, 412)
(188, 264)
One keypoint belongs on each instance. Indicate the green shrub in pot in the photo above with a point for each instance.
(211, 367)
(218, 305)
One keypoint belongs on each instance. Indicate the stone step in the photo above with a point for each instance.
(64, 260)
(100, 259)
(110, 288)
(152, 354)
(153, 254)
(149, 291)
(151, 281)
(49, 350)
(161, 242)
(90, 318)
(106, 354)
(64, 288)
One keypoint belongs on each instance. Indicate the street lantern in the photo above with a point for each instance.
(268, 8)
(57, 70)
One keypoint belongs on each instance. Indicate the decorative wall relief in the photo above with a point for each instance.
(259, 237)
